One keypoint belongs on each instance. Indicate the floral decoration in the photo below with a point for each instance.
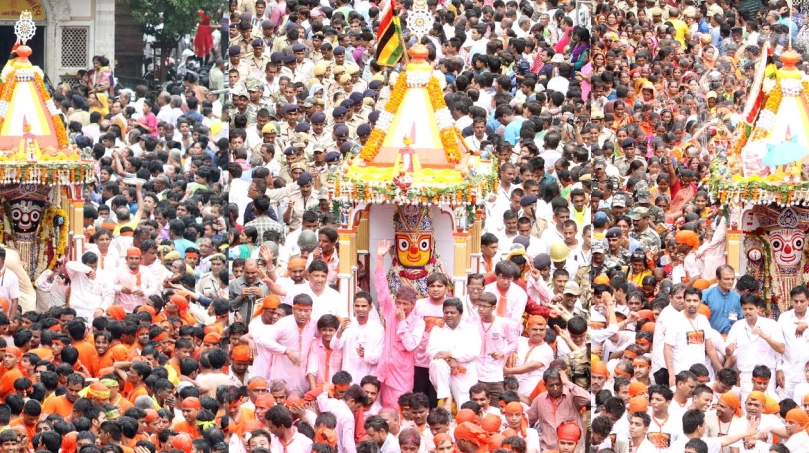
(54, 220)
(449, 140)
(371, 148)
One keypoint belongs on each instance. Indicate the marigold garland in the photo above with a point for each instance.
(374, 143)
(8, 88)
(46, 238)
(58, 124)
(772, 104)
(448, 138)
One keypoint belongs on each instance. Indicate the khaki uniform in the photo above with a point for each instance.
(250, 112)
(285, 132)
(244, 70)
(257, 64)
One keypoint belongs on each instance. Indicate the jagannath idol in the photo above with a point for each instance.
(415, 257)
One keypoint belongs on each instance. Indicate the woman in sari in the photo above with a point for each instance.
(101, 76)
(99, 103)
(682, 192)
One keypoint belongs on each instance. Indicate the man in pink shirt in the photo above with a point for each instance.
(283, 350)
(402, 335)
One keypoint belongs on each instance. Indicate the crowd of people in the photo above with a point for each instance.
(124, 349)
(504, 367)
(687, 355)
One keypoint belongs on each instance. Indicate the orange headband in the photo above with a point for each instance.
(637, 388)
(758, 396)
(163, 336)
(643, 341)
(638, 404)
(640, 362)
(599, 369)
(761, 380)
(301, 306)
(151, 415)
(621, 373)
(191, 255)
(630, 354)
(191, 403)
(514, 407)
(259, 383)
(241, 353)
(732, 400)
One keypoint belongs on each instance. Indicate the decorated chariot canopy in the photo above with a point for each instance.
(414, 172)
(768, 157)
(415, 153)
(39, 168)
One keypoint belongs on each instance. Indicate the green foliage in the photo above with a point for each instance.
(179, 17)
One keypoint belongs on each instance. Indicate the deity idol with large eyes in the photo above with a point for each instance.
(415, 257)
(776, 253)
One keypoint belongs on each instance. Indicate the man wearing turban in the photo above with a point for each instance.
(516, 420)
(134, 283)
(471, 438)
(569, 435)
(797, 422)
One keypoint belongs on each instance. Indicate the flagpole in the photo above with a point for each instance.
(406, 57)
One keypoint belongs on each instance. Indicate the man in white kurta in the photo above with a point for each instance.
(792, 364)
(454, 349)
(88, 291)
(360, 339)
(756, 341)
(134, 283)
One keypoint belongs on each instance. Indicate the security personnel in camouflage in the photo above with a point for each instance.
(241, 106)
(644, 233)
(617, 254)
(643, 197)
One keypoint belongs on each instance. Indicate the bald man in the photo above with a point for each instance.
(246, 290)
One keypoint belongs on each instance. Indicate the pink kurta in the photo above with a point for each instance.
(397, 363)
(273, 343)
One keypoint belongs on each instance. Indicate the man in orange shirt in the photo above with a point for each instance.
(116, 399)
(46, 340)
(142, 338)
(137, 373)
(183, 348)
(190, 407)
(78, 334)
(29, 419)
(116, 351)
(11, 359)
(63, 405)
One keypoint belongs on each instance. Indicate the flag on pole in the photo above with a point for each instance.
(389, 47)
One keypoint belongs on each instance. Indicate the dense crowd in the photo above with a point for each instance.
(504, 366)
(123, 350)
(605, 317)
(687, 355)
